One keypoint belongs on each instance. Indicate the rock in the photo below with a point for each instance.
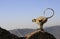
(40, 35)
(4, 34)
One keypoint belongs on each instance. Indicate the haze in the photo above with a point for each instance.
(19, 13)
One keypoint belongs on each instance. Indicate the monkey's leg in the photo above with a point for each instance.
(41, 27)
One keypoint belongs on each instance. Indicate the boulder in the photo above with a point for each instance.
(40, 35)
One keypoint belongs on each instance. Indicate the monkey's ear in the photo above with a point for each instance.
(34, 20)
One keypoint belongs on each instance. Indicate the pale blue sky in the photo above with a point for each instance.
(19, 13)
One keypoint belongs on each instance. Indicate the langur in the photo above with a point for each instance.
(41, 20)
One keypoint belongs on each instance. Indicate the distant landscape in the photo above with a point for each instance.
(55, 30)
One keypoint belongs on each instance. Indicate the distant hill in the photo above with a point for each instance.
(18, 32)
(55, 30)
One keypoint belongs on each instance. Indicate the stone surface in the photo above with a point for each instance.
(4, 34)
(40, 35)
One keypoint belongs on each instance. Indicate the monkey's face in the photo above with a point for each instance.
(34, 20)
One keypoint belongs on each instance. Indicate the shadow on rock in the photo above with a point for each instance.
(4, 34)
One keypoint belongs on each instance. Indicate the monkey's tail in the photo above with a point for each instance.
(51, 10)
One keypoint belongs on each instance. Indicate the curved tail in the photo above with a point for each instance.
(51, 10)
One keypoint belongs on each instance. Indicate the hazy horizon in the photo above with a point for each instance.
(19, 13)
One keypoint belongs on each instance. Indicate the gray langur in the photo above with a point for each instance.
(41, 20)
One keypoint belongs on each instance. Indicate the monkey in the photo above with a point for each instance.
(41, 20)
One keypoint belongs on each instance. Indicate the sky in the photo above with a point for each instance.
(18, 14)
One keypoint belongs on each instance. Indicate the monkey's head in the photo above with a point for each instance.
(34, 20)
(39, 20)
